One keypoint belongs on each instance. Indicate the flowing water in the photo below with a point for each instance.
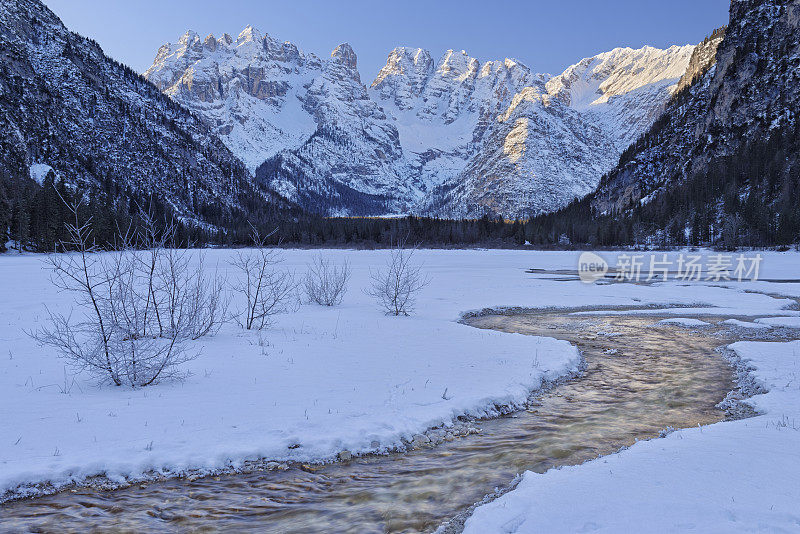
(639, 379)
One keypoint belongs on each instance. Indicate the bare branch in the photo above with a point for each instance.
(266, 291)
(139, 306)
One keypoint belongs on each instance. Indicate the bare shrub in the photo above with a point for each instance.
(184, 290)
(395, 287)
(139, 306)
(266, 290)
(185, 302)
(325, 283)
(88, 343)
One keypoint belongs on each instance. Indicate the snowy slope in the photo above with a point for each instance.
(453, 137)
(624, 90)
(67, 107)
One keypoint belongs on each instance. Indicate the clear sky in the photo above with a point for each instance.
(545, 35)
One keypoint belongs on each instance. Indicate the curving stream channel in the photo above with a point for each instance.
(640, 378)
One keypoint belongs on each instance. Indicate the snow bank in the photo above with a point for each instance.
(746, 324)
(319, 381)
(786, 322)
(728, 477)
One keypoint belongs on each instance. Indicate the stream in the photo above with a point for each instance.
(640, 378)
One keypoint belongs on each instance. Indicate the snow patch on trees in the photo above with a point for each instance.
(39, 171)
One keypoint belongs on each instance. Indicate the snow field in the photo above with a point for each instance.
(316, 382)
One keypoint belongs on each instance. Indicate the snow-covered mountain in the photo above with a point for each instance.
(67, 108)
(488, 138)
(453, 137)
(721, 165)
(624, 90)
(736, 126)
(303, 124)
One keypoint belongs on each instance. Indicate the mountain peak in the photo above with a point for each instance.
(416, 56)
(249, 33)
(188, 38)
(458, 64)
(416, 62)
(344, 54)
(595, 80)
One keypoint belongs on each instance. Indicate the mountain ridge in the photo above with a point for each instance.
(720, 166)
(67, 108)
(454, 137)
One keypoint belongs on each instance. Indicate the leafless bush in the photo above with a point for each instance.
(184, 289)
(184, 301)
(395, 287)
(326, 283)
(266, 290)
(138, 306)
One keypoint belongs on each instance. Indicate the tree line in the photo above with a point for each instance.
(750, 198)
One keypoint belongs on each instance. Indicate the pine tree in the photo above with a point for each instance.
(20, 214)
(5, 214)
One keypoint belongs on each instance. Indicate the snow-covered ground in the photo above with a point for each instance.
(747, 324)
(786, 322)
(322, 380)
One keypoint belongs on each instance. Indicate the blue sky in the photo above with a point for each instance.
(545, 35)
